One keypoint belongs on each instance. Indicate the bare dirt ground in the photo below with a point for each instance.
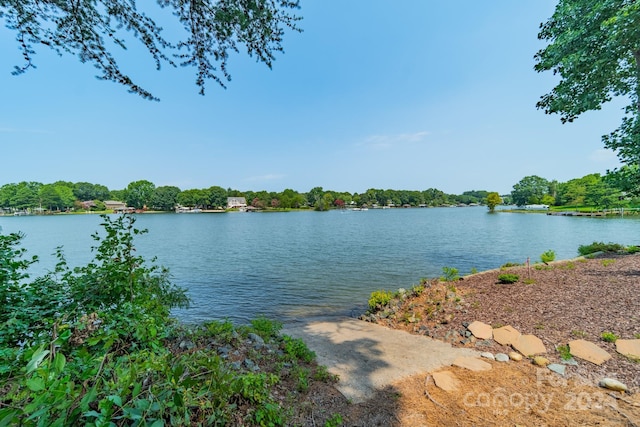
(559, 302)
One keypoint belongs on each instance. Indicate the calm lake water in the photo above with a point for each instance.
(291, 265)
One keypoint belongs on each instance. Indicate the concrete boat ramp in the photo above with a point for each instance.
(369, 357)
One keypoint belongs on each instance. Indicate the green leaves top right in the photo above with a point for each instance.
(594, 46)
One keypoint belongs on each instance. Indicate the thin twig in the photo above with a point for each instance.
(633, 424)
(426, 392)
(627, 401)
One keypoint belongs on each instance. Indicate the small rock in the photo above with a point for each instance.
(541, 361)
(186, 344)
(501, 357)
(257, 339)
(488, 355)
(251, 365)
(569, 362)
(557, 368)
(515, 356)
(484, 343)
(465, 324)
(612, 384)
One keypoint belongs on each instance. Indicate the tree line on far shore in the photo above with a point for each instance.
(591, 190)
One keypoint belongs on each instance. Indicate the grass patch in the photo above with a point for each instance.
(506, 279)
(568, 266)
(608, 262)
(578, 334)
(609, 336)
(565, 353)
(510, 264)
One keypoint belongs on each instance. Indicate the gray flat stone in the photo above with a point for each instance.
(588, 351)
(557, 368)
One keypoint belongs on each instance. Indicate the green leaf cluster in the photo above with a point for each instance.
(96, 346)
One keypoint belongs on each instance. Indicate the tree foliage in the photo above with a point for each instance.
(594, 46)
(91, 29)
(493, 200)
(530, 190)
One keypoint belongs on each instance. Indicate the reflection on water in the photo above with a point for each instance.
(292, 265)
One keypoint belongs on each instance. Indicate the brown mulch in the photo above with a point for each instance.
(559, 302)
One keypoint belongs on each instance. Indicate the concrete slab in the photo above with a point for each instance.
(369, 357)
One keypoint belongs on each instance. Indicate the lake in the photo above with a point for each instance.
(291, 265)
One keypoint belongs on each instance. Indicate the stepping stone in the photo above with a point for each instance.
(446, 381)
(481, 330)
(588, 351)
(629, 348)
(472, 364)
(529, 345)
(506, 335)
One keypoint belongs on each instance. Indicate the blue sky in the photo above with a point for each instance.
(373, 94)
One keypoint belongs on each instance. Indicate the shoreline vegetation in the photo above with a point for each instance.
(96, 345)
(590, 194)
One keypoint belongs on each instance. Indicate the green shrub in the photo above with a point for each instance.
(609, 337)
(508, 278)
(548, 256)
(266, 328)
(93, 346)
(379, 299)
(633, 249)
(450, 274)
(296, 349)
(599, 247)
